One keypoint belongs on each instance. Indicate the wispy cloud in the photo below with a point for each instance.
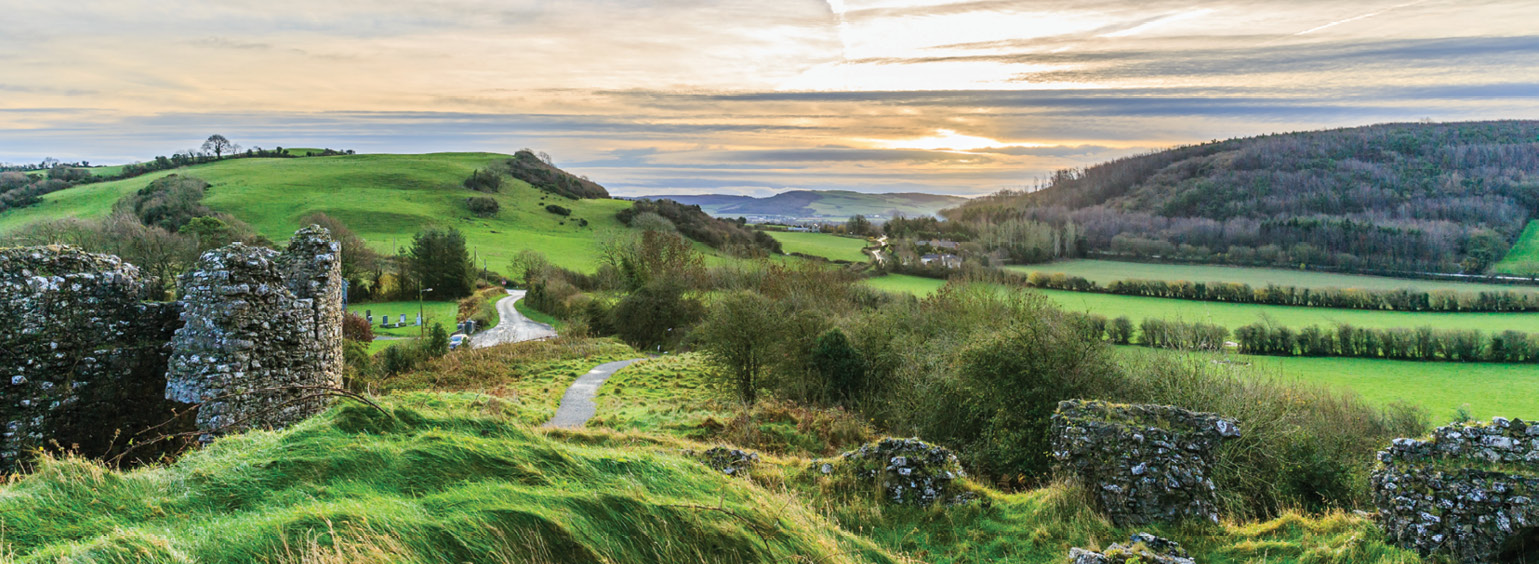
(957, 96)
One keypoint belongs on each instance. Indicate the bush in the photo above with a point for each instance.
(558, 210)
(484, 180)
(840, 365)
(655, 315)
(357, 329)
(483, 206)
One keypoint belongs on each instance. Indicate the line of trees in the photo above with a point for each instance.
(1403, 299)
(1421, 343)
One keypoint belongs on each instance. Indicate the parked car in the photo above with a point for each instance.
(455, 341)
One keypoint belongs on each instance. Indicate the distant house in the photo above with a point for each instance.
(938, 244)
(802, 229)
(946, 260)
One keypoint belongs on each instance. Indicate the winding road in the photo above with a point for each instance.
(513, 327)
(577, 405)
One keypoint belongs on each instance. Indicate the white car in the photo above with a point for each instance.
(455, 341)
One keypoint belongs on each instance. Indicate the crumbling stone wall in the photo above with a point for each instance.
(87, 364)
(1145, 463)
(907, 471)
(262, 331)
(1467, 492)
(82, 356)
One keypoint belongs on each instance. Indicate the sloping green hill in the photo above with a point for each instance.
(1404, 197)
(384, 198)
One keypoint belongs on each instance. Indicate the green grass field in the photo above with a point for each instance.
(905, 284)
(1231, 315)
(1508, 390)
(832, 247)
(1442, 388)
(1105, 271)
(384, 198)
(433, 312)
(1523, 259)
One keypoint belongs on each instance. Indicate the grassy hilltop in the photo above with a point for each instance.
(384, 198)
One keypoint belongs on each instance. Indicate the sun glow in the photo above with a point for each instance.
(944, 140)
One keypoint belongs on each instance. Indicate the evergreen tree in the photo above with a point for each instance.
(439, 260)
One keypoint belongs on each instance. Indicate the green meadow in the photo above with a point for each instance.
(905, 284)
(384, 198)
(1523, 259)
(1106, 271)
(829, 246)
(1233, 315)
(1508, 390)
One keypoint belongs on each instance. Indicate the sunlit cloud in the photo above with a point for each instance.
(955, 96)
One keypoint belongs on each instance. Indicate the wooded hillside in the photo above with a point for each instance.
(1401, 197)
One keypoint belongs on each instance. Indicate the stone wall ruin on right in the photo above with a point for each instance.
(1467, 492)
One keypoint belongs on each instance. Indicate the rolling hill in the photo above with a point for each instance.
(1410, 197)
(384, 198)
(800, 205)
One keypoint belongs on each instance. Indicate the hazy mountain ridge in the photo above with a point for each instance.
(813, 204)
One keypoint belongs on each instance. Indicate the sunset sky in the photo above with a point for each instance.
(961, 97)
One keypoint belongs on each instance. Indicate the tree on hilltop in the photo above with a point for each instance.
(219, 145)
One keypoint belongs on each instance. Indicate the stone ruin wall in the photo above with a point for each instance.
(1467, 492)
(78, 344)
(86, 362)
(261, 331)
(1144, 463)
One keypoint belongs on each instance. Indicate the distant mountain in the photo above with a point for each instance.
(818, 204)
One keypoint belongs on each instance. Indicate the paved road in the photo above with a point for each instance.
(577, 405)
(514, 327)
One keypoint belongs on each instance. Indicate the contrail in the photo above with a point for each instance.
(1356, 18)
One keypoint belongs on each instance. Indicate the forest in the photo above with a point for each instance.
(1413, 197)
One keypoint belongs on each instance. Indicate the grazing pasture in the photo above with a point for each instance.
(384, 198)
(1106, 271)
(1233, 315)
(832, 247)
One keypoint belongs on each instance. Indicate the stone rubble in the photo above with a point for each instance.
(1142, 548)
(729, 461)
(908, 471)
(88, 361)
(1144, 463)
(1467, 492)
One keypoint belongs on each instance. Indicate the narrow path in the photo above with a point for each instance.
(513, 327)
(577, 405)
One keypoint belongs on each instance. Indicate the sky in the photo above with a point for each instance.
(960, 97)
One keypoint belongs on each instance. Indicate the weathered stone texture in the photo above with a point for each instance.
(87, 364)
(907, 471)
(1142, 548)
(1467, 492)
(1145, 463)
(261, 332)
(82, 357)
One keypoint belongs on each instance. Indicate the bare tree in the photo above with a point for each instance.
(218, 145)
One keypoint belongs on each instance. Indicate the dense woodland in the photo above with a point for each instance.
(1397, 197)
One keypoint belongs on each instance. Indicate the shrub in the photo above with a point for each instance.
(840, 365)
(484, 180)
(483, 206)
(558, 210)
(655, 315)
(357, 329)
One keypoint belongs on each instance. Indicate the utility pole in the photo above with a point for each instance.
(421, 327)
